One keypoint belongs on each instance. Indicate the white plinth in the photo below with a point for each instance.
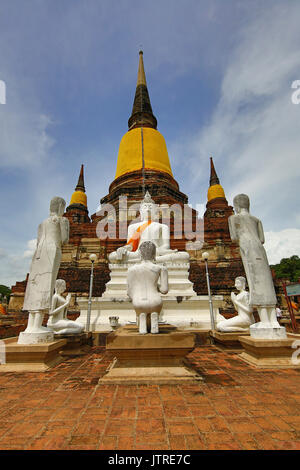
(179, 283)
(35, 338)
(184, 312)
(258, 331)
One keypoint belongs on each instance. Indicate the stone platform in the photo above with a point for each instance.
(156, 358)
(268, 353)
(31, 357)
(228, 341)
(189, 313)
(182, 307)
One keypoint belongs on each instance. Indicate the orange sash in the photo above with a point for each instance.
(135, 239)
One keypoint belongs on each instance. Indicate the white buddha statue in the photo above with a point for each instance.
(248, 231)
(146, 282)
(58, 321)
(244, 318)
(52, 234)
(148, 230)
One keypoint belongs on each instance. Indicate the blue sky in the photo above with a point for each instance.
(219, 75)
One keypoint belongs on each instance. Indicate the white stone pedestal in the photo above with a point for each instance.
(36, 338)
(257, 331)
(179, 283)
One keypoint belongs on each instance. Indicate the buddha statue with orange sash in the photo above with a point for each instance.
(148, 230)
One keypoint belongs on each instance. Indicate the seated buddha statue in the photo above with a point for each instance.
(58, 321)
(148, 230)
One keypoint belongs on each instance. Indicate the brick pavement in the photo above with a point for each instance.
(236, 407)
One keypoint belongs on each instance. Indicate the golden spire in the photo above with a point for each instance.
(215, 190)
(79, 196)
(142, 147)
(142, 114)
(80, 184)
(213, 174)
(141, 78)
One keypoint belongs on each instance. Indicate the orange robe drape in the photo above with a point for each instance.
(135, 239)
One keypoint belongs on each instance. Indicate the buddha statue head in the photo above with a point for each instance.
(148, 251)
(148, 208)
(241, 201)
(60, 286)
(57, 206)
(240, 283)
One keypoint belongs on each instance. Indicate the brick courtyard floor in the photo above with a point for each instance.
(236, 407)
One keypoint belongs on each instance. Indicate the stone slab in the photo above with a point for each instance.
(228, 341)
(31, 358)
(268, 353)
(154, 358)
(153, 375)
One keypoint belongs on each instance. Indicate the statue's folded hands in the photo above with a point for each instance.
(244, 318)
(58, 321)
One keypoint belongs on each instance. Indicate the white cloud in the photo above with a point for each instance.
(254, 132)
(283, 244)
(24, 130)
(13, 267)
